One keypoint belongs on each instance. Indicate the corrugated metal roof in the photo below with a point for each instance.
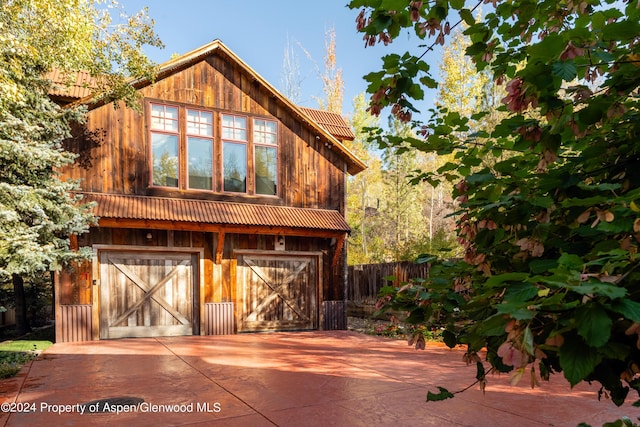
(333, 123)
(214, 212)
(73, 86)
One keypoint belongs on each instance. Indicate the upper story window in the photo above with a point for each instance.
(265, 156)
(164, 145)
(234, 153)
(184, 142)
(200, 149)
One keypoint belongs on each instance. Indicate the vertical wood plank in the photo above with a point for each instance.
(232, 263)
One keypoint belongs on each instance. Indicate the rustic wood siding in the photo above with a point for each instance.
(365, 281)
(219, 278)
(114, 148)
(75, 284)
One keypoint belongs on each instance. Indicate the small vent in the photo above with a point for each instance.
(218, 318)
(76, 322)
(335, 315)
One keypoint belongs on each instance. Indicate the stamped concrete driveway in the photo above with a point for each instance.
(285, 379)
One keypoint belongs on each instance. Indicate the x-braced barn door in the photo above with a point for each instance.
(278, 292)
(146, 294)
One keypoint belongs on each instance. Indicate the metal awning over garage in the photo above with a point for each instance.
(127, 211)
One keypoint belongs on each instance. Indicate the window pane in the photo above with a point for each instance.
(157, 117)
(171, 113)
(234, 127)
(227, 121)
(193, 120)
(165, 159)
(235, 167)
(171, 126)
(240, 123)
(266, 166)
(258, 137)
(264, 132)
(227, 133)
(199, 123)
(157, 123)
(200, 163)
(270, 138)
(164, 118)
(206, 118)
(157, 110)
(240, 134)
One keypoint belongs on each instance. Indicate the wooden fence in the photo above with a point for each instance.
(365, 281)
(334, 315)
(8, 317)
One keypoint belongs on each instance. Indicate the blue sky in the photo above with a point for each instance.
(257, 31)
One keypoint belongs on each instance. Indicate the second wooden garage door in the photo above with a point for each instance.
(278, 292)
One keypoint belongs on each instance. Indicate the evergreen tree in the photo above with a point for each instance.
(405, 202)
(38, 210)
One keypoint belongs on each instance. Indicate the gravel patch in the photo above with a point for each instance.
(364, 325)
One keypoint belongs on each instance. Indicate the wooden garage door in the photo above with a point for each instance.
(278, 292)
(146, 294)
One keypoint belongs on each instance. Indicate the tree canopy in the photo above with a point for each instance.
(38, 210)
(550, 280)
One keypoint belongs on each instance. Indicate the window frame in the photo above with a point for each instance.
(268, 145)
(217, 139)
(151, 131)
(211, 140)
(224, 140)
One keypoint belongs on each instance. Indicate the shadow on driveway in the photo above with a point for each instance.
(286, 379)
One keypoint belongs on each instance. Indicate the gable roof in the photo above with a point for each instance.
(333, 123)
(354, 165)
(70, 87)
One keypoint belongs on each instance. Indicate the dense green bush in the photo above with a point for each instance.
(548, 198)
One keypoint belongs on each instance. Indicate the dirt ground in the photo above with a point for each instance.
(365, 325)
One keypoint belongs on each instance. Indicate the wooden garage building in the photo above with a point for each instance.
(221, 208)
